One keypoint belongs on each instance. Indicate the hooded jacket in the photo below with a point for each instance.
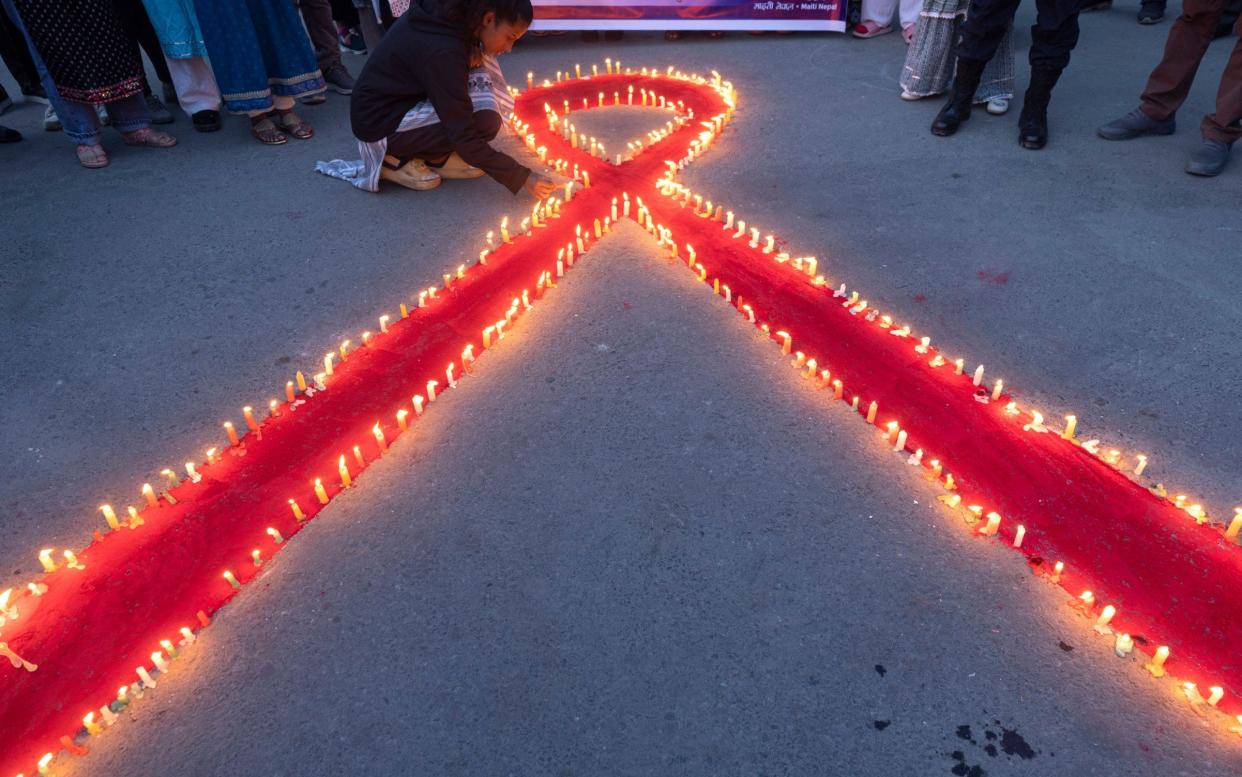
(426, 57)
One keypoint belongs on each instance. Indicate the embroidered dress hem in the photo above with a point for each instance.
(103, 94)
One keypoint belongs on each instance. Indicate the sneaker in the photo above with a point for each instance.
(35, 93)
(1209, 158)
(339, 79)
(1135, 124)
(102, 113)
(413, 174)
(1151, 11)
(455, 168)
(318, 98)
(9, 135)
(351, 41)
(159, 112)
(998, 106)
(51, 122)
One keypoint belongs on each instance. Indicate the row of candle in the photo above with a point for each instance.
(988, 522)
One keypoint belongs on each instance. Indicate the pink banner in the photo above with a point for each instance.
(783, 15)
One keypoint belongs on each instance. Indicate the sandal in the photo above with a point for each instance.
(93, 157)
(149, 137)
(264, 130)
(293, 124)
(869, 30)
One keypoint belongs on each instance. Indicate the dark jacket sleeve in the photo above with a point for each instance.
(449, 95)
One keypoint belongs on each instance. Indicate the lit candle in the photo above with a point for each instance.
(383, 322)
(608, 64)
(595, 70)
(598, 228)
(301, 382)
(256, 557)
(273, 407)
(923, 345)
(992, 526)
(232, 580)
(108, 715)
(169, 648)
(1057, 569)
(297, 511)
(577, 71)
(949, 483)
(1087, 598)
(838, 389)
(110, 516)
(1106, 617)
(289, 395)
(187, 636)
(379, 436)
(248, 413)
(1019, 536)
(134, 520)
(630, 96)
(45, 558)
(92, 728)
(937, 468)
(149, 493)
(343, 469)
(871, 411)
(231, 432)
(361, 462)
(1156, 665)
(1142, 465)
(45, 764)
(958, 365)
(418, 405)
(978, 375)
(1124, 645)
(401, 422)
(405, 312)
(530, 80)
(145, 676)
(1235, 526)
(71, 560)
(900, 445)
(344, 349)
(431, 390)
(997, 388)
(319, 492)
(327, 363)
(157, 658)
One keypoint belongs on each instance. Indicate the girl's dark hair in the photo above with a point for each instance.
(469, 13)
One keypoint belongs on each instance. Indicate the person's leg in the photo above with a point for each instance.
(431, 143)
(1225, 125)
(878, 12)
(195, 85)
(137, 24)
(978, 39)
(909, 12)
(372, 32)
(16, 55)
(318, 17)
(130, 114)
(81, 123)
(1188, 40)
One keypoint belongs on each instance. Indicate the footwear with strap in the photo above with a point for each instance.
(455, 168)
(412, 174)
(866, 30)
(149, 138)
(1033, 121)
(264, 130)
(957, 109)
(294, 124)
(92, 157)
(1136, 124)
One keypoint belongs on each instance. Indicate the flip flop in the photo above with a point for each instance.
(907, 33)
(93, 157)
(293, 124)
(266, 133)
(148, 137)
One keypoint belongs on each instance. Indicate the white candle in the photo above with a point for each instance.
(1071, 425)
(256, 557)
(343, 470)
(871, 411)
(134, 520)
(958, 365)
(1235, 526)
(1019, 536)
(431, 390)
(997, 388)
(401, 422)
(297, 511)
(45, 558)
(157, 658)
(1156, 665)
(901, 441)
(992, 526)
(1057, 569)
(1106, 617)
(327, 363)
(149, 493)
(320, 493)
(418, 404)
(978, 375)
(379, 437)
(231, 432)
(1142, 465)
(145, 676)
(110, 516)
(232, 580)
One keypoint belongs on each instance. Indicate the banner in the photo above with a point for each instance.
(781, 15)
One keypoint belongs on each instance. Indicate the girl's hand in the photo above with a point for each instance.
(539, 187)
(476, 57)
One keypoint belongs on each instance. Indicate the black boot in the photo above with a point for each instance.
(957, 109)
(1033, 122)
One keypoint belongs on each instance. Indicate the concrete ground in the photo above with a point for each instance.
(636, 543)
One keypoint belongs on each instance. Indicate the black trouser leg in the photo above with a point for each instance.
(138, 27)
(431, 143)
(1054, 34)
(16, 54)
(981, 34)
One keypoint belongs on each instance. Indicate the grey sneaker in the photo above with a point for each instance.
(1135, 124)
(1209, 158)
(159, 112)
(51, 122)
(339, 79)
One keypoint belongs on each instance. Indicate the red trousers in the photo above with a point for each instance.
(1170, 82)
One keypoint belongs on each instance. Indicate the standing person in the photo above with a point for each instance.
(1170, 82)
(1053, 37)
(877, 18)
(138, 27)
(89, 61)
(180, 38)
(432, 95)
(931, 56)
(262, 60)
(317, 14)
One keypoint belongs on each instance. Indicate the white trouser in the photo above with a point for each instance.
(195, 85)
(881, 11)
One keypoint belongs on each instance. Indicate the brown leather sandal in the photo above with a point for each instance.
(293, 124)
(264, 130)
